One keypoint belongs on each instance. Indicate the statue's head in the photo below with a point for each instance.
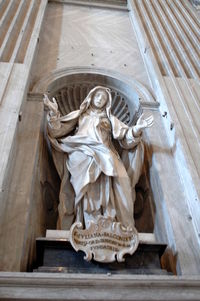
(100, 98)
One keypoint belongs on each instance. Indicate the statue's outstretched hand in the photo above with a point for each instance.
(142, 123)
(52, 106)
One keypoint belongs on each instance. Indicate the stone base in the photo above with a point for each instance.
(55, 254)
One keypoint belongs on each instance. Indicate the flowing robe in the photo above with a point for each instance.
(95, 179)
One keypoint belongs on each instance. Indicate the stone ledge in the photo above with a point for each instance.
(112, 4)
(64, 235)
(52, 286)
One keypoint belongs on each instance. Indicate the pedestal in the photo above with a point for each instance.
(55, 254)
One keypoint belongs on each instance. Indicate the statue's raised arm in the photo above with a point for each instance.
(51, 106)
(142, 123)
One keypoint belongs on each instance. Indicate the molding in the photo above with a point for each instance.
(35, 97)
(49, 286)
(109, 4)
(144, 94)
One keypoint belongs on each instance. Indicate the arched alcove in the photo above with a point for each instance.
(134, 91)
(70, 87)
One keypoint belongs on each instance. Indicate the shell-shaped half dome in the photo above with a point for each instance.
(71, 89)
(70, 97)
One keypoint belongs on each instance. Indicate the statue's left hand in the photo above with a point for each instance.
(142, 123)
(52, 106)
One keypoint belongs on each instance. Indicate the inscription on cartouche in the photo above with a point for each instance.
(104, 241)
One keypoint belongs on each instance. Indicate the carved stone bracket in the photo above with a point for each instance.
(104, 240)
(195, 3)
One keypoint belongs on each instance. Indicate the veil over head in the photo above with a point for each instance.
(87, 101)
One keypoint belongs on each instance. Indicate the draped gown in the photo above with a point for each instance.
(95, 179)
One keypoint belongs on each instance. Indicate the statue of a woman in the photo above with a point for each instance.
(95, 179)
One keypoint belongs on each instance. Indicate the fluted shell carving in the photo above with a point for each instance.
(70, 97)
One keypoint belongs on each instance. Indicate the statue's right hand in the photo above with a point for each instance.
(51, 106)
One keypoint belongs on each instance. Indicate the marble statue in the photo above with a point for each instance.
(95, 179)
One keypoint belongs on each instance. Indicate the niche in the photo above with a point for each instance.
(70, 90)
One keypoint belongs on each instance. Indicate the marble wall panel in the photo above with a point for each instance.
(91, 37)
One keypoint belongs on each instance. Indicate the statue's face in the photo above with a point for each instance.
(100, 99)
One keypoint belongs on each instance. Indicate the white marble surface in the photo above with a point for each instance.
(83, 36)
